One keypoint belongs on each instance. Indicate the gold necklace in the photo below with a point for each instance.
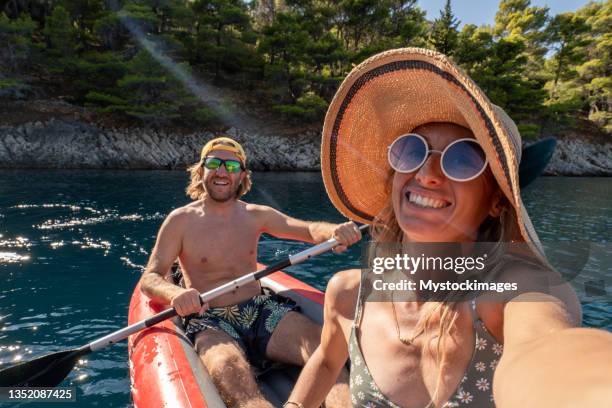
(406, 341)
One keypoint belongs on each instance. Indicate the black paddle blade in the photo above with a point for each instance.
(45, 371)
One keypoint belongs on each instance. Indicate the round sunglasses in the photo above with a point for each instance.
(462, 160)
(232, 166)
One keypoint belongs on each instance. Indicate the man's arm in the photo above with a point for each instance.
(282, 226)
(323, 367)
(552, 362)
(153, 283)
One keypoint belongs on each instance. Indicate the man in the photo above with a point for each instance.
(215, 239)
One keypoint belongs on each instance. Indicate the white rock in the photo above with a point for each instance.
(74, 144)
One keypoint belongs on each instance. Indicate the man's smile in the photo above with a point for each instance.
(219, 182)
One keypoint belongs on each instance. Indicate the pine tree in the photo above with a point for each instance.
(151, 95)
(359, 21)
(224, 38)
(497, 66)
(284, 45)
(116, 30)
(444, 34)
(60, 34)
(580, 70)
(412, 25)
(475, 45)
(265, 11)
(566, 35)
(16, 45)
(17, 51)
(595, 71)
(518, 20)
(83, 15)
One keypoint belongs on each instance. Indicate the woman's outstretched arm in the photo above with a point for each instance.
(547, 361)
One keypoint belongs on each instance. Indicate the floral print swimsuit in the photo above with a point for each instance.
(250, 323)
(474, 390)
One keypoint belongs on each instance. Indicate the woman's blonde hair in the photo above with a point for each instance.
(196, 190)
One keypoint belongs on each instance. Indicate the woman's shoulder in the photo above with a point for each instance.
(342, 292)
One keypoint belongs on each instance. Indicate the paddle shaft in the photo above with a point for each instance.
(214, 293)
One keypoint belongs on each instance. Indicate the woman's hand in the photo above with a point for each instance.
(549, 360)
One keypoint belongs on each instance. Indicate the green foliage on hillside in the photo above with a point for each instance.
(142, 59)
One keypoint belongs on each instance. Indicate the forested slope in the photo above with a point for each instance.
(178, 64)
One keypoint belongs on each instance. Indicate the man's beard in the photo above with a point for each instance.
(221, 197)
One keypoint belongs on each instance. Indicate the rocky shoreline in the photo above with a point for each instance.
(62, 144)
(576, 157)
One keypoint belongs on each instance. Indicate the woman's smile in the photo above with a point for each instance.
(425, 200)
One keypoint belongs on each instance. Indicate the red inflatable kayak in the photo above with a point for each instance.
(165, 370)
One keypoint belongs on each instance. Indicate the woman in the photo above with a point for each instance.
(413, 146)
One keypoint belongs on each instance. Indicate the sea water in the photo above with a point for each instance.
(73, 245)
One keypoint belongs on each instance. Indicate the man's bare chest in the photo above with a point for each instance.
(217, 242)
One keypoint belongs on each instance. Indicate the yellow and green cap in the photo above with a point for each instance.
(224, 143)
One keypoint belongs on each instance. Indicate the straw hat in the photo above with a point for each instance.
(392, 93)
